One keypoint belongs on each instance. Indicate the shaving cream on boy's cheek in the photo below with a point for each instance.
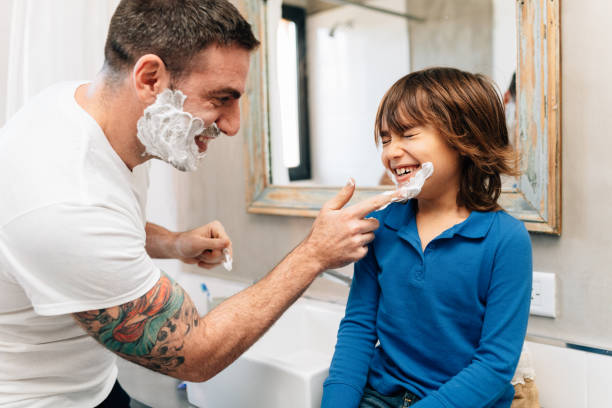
(168, 132)
(405, 191)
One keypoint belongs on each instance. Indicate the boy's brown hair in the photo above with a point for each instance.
(467, 110)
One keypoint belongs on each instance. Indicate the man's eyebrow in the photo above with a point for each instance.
(226, 92)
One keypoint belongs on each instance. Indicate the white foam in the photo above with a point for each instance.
(168, 132)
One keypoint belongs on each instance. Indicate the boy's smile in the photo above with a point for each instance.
(404, 172)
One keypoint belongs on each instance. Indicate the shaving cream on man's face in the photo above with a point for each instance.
(169, 133)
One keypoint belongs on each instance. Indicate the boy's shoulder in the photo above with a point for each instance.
(505, 220)
(508, 228)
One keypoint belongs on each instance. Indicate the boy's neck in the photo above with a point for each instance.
(435, 216)
(443, 205)
(441, 208)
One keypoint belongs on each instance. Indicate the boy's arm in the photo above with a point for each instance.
(488, 376)
(356, 339)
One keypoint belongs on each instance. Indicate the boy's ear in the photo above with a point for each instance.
(149, 77)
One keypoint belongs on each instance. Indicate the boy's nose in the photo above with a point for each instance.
(395, 149)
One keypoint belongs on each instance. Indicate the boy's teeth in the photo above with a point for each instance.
(402, 171)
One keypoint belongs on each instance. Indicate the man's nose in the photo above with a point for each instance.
(229, 122)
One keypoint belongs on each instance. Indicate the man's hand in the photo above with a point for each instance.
(339, 235)
(204, 245)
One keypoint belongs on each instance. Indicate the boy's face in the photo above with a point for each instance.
(404, 154)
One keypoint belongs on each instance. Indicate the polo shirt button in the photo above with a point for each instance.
(432, 246)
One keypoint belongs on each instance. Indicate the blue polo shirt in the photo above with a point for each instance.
(449, 321)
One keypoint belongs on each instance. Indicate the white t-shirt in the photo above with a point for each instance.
(72, 238)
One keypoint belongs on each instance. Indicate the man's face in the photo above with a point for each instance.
(214, 83)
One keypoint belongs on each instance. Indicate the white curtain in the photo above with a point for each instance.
(51, 41)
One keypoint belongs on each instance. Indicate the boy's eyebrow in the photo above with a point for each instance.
(383, 133)
(416, 128)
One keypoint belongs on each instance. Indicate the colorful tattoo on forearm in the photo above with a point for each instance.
(149, 330)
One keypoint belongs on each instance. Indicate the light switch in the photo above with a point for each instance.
(543, 294)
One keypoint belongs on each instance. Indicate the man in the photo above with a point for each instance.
(75, 248)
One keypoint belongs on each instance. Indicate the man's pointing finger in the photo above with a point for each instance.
(368, 205)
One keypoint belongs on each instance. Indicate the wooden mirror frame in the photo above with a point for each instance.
(536, 198)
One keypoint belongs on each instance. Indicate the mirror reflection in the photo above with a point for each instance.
(330, 63)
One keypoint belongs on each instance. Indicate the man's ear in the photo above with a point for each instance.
(149, 78)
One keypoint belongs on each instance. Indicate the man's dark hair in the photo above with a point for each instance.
(174, 30)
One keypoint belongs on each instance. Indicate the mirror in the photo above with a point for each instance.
(325, 65)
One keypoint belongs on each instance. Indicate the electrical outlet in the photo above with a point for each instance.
(543, 295)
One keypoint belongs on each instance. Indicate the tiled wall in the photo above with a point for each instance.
(569, 378)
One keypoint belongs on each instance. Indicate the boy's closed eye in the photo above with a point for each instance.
(412, 131)
(386, 138)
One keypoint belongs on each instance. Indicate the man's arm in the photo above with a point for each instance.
(150, 330)
(162, 330)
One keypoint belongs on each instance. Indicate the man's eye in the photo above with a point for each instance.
(218, 102)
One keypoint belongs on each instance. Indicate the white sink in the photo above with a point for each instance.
(285, 368)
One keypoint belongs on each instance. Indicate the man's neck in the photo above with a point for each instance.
(115, 112)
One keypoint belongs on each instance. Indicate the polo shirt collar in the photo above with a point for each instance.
(401, 218)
